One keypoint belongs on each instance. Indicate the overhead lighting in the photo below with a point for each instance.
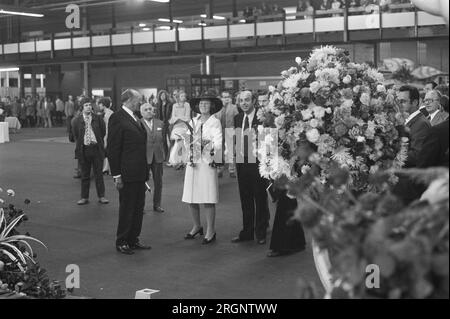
(145, 29)
(142, 25)
(219, 18)
(202, 24)
(162, 1)
(242, 21)
(14, 69)
(168, 20)
(164, 27)
(18, 13)
(203, 16)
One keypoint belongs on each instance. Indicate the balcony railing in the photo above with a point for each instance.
(341, 20)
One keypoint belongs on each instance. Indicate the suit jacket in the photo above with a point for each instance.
(418, 130)
(238, 119)
(78, 130)
(439, 118)
(435, 151)
(155, 142)
(127, 148)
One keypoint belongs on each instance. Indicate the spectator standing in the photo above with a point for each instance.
(60, 108)
(69, 111)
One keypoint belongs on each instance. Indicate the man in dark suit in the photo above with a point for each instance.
(417, 124)
(435, 151)
(127, 155)
(155, 151)
(252, 187)
(89, 131)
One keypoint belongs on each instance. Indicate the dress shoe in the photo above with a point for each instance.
(240, 240)
(139, 246)
(274, 253)
(158, 209)
(103, 201)
(209, 241)
(261, 242)
(125, 249)
(83, 201)
(190, 236)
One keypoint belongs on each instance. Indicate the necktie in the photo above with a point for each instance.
(429, 117)
(244, 138)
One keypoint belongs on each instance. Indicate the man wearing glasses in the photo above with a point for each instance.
(89, 131)
(433, 105)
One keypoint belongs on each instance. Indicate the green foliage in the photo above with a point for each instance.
(410, 244)
(20, 273)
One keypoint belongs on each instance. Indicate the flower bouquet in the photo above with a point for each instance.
(330, 111)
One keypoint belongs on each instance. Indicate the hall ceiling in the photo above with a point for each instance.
(125, 10)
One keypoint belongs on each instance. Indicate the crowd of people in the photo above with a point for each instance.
(138, 139)
(39, 111)
(309, 7)
(134, 144)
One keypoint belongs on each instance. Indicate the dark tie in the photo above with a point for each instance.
(246, 123)
(245, 137)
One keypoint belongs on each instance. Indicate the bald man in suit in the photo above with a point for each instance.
(127, 155)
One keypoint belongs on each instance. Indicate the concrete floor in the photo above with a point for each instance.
(38, 164)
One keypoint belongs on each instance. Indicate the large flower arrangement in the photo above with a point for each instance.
(329, 110)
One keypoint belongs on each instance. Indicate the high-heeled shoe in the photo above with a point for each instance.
(190, 236)
(209, 241)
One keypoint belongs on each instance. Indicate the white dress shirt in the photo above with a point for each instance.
(130, 112)
(433, 115)
(150, 124)
(409, 119)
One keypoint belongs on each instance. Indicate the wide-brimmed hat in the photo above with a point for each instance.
(216, 103)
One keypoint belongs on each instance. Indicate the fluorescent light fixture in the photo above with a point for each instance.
(12, 69)
(202, 24)
(177, 21)
(162, 1)
(163, 20)
(145, 29)
(203, 16)
(219, 17)
(164, 27)
(242, 21)
(142, 25)
(18, 13)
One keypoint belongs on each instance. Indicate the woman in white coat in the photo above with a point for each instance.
(201, 183)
